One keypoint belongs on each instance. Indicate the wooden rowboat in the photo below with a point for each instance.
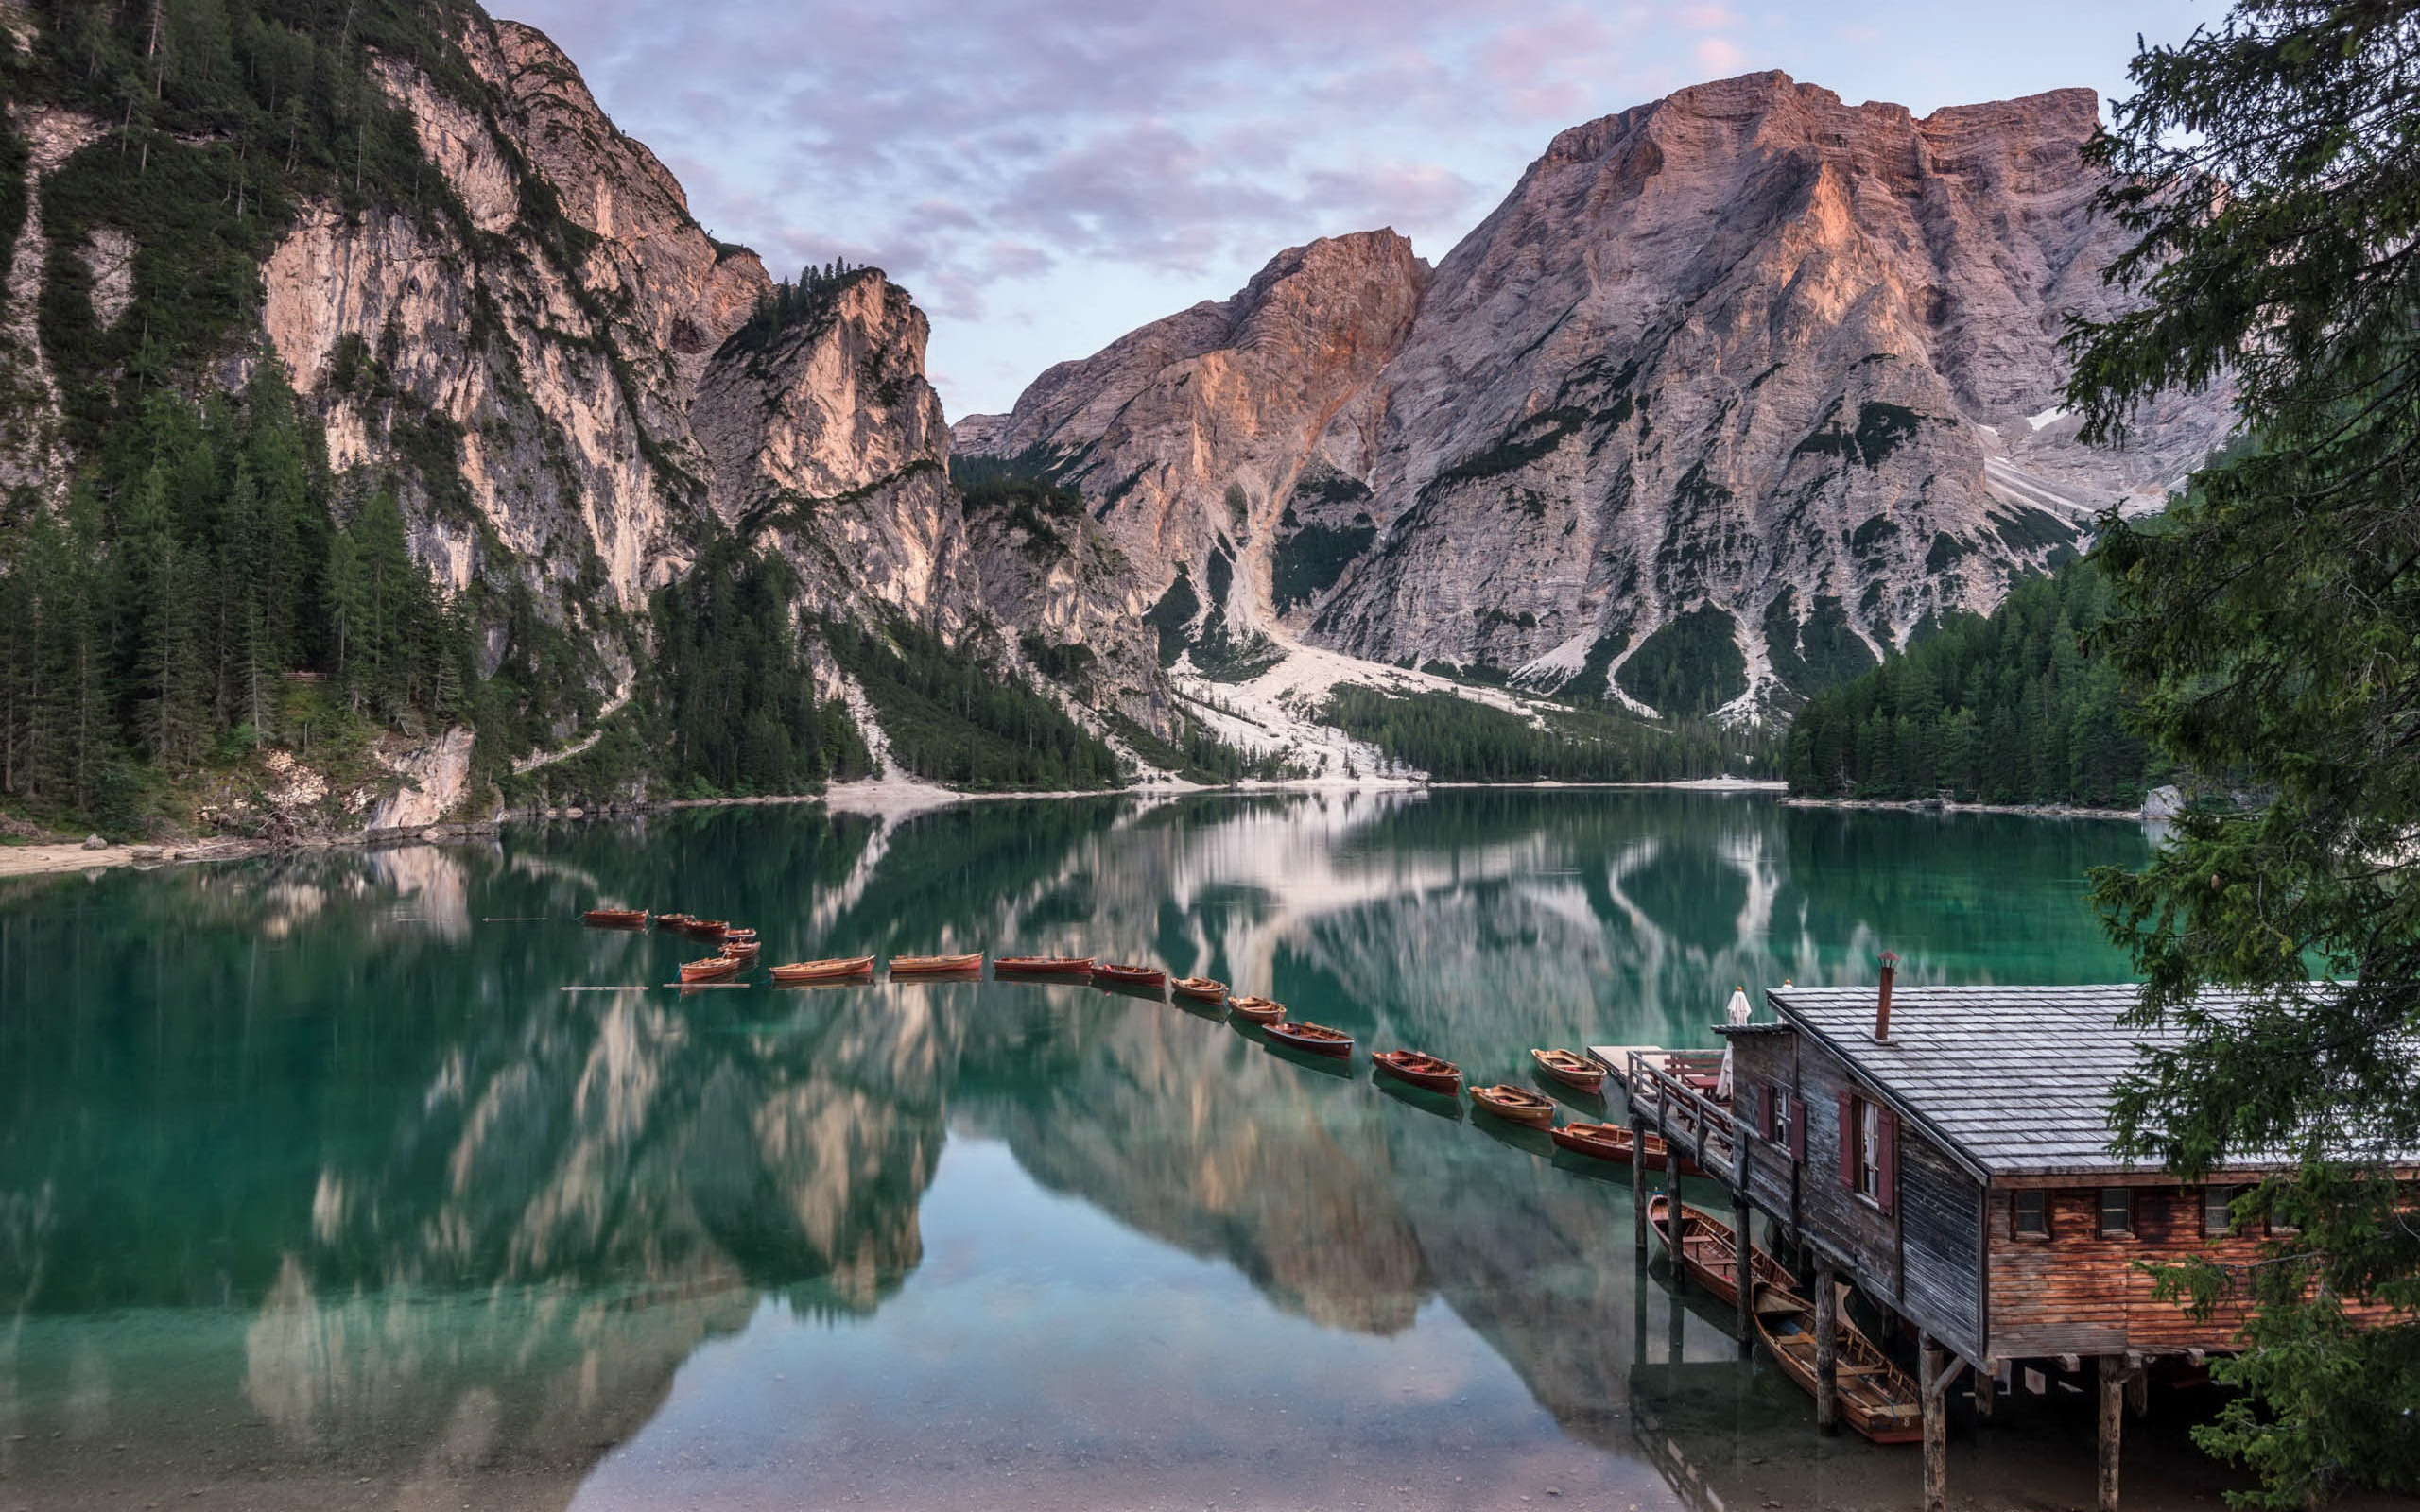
(838, 969)
(748, 936)
(1571, 1069)
(1131, 975)
(1704, 1251)
(1877, 1397)
(1419, 1069)
(705, 929)
(1516, 1104)
(935, 965)
(1612, 1141)
(1317, 1039)
(673, 921)
(1042, 965)
(1255, 1010)
(741, 950)
(1199, 988)
(616, 918)
(712, 970)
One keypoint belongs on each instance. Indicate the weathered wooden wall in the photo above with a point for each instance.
(2076, 1293)
(1941, 1243)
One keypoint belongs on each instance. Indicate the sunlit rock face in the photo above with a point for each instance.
(1785, 367)
(569, 350)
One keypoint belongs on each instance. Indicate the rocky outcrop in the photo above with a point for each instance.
(1190, 437)
(1730, 395)
(564, 378)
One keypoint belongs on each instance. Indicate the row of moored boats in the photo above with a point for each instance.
(1876, 1397)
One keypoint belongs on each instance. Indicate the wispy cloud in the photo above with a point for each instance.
(1045, 173)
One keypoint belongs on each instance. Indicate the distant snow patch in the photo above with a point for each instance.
(2047, 418)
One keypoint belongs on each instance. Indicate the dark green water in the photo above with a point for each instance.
(316, 1188)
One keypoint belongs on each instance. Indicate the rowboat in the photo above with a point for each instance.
(838, 969)
(1705, 1253)
(1042, 965)
(935, 965)
(748, 936)
(1255, 1010)
(1876, 1396)
(616, 918)
(713, 968)
(673, 920)
(1516, 1104)
(1199, 988)
(1131, 975)
(1315, 1038)
(1612, 1141)
(1419, 1069)
(1571, 1069)
(705, 929)
(741, 950)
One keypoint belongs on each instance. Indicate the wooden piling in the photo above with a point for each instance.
(2113, 1418)
(1987, 1391)
(1672, 1209)
(1638, 1179)
(1743, 1221)
(1931, 1361)
(1827, 1349)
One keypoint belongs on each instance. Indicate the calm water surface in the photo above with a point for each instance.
(317, 1188)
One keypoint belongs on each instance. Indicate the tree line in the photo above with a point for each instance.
(2004, 708)
(1458, 740)
(207, 590)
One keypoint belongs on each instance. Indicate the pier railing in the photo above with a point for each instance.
(1665, 1089)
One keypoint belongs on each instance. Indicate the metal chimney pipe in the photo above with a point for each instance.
(1882, 1005)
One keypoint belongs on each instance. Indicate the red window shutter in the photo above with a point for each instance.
(1798, 1134)
(1887, 1138)
(1848, 1141)
(1766, 1095)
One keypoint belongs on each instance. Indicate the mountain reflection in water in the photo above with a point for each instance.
(311, 1171)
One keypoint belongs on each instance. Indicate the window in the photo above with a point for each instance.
(2030, 1219)
(2217, 1216)
(1785, 1117)
(2116, 1212)
(1869, 1149)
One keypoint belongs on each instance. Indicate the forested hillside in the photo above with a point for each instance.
(2004, 710)
(1457, 740)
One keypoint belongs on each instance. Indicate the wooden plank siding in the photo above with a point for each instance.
(1941, 1243)
(2076, 1293)
(1924, 1257)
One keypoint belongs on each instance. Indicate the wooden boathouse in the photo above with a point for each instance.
(1945, 1150)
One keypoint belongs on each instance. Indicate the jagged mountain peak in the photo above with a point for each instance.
(1733, 392)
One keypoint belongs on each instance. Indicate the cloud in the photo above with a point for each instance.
(1044, 169)
(1719, 55)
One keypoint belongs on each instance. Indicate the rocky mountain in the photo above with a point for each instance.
(1732, 394)
(496, 310)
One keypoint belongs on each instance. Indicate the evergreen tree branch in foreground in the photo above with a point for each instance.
(2272, 626)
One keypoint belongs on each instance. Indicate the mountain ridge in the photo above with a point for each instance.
(1744, 365)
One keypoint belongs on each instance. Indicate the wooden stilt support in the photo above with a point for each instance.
(2113, 1418)
(1987, 1391)
(1744, 1242)
(2138, 1388)
(1638, 1179)
(1672, 1207)
(1932, 1369)
(1827, 1349)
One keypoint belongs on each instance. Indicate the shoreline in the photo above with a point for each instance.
(889, 799)
(2030, 811)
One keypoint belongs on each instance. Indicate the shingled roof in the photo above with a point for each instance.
(2016, 1079)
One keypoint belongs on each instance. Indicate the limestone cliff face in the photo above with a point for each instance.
(570, 353)
(1744, 366)
(1190, 437)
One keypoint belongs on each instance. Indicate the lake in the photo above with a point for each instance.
(321, 1187)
